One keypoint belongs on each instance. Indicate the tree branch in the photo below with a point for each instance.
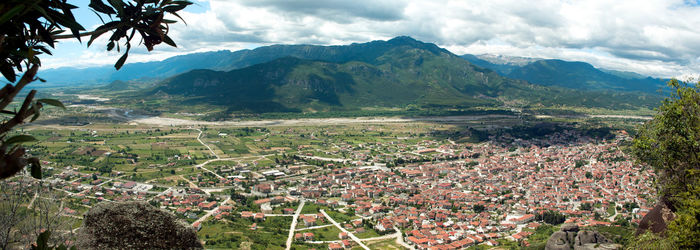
(24, 112)
(12, 91)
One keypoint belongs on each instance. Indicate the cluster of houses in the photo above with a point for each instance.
(436, 203)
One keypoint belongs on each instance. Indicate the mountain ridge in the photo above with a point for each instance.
(572, 74)
(396, 73)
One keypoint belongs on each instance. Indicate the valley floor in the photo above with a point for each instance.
(348, 182)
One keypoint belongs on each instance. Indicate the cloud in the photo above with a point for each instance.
(655, 37)
(339, 10)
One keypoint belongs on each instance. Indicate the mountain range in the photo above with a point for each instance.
(401, 72)
(575, 75)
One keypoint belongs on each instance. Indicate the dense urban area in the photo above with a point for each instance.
(415, 185)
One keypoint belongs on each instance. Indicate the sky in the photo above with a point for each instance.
(659, 38)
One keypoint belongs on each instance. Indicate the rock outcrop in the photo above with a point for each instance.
(134, 225)
(657, 219)
(570, 237)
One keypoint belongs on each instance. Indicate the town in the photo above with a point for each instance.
(402, 186)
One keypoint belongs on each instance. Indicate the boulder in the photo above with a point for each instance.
(569, 227)
(657, 219)
(558, 241)
(134, 225)
(593, 246)
(569, 237)
(589, 237)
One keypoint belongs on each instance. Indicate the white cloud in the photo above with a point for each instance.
(655, 37)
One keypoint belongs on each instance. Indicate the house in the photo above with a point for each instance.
(343, 235)
(334, 246)
(264, 188)
(308, 236)
(523, 219)
(309, 221)
(347, 244)
(259, 217)
(207, 206)
(129, 185)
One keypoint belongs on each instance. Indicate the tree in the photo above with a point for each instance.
(670, 143)
(28, 28)
(551, 217)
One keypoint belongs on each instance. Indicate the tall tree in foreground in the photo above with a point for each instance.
(670, 143)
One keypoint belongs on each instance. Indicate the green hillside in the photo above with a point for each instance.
(398, 73)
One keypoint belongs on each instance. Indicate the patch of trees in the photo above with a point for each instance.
(551, 217)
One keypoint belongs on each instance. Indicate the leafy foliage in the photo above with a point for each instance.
(551, 217)
(29, 28)
(143, 16)
(670, 143)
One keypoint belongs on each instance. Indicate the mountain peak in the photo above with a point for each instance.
(403, 39)
(412, 42)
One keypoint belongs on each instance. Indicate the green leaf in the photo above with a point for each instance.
(174, 8)
(98, 5)
(11, 13)
(167, 40)
(121, 60)
(52, 102)
(102, 29)
(17, 139)
(178, 16)
(36, 112)
(7, 71)
(35, 168)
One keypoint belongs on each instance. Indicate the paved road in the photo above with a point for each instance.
(200, 141)
(315, 227)
(324, 158)
(294, 225)
(161, 193)
(352, 236)
(400, 241)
